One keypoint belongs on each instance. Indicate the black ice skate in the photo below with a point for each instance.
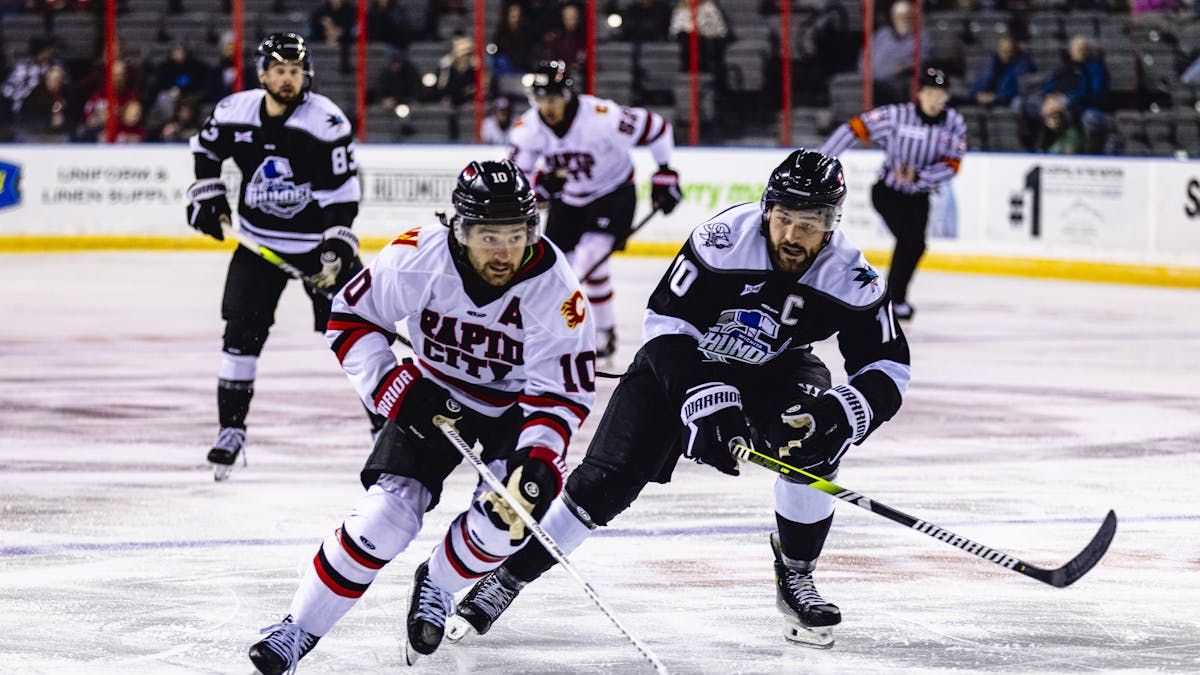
(486, 601)
(606, 342)
(427, 612)
(810, 618)
(231, 442)
(285, 644)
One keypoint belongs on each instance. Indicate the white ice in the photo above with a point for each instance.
(1036, 406)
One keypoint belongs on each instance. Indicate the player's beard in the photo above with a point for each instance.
(497, 273)
(291, 98)
(793, 258)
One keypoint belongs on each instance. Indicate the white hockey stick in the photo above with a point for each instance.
(551, 546)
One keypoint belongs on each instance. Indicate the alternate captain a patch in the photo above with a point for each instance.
(866, 276)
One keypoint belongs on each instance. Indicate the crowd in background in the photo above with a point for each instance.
(45, 97)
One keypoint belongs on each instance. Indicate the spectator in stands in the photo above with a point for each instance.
(456, 74)
(892, 51)
(184, 124)
(399, 82)
(95, 111)
(514, 42)
(387, 21)
(494, 130)
(181, 74)
(998, 83)
(43, 116)
(333, 22)
(1083, 78)
(645, 21)
(824, 48)
(1058, 134)
(130, 128)
(567, 42)
(714, 35)
(437, 10)
(29, 71)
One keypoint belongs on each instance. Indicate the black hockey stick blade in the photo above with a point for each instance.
(1080, 565)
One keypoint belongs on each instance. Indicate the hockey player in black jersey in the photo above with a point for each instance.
(299, 196)
(728, 331)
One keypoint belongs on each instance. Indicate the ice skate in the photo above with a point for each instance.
(427, 612)
(231, 442)
(486, 601)
(606, 343)
(285, 644)
(810, 618)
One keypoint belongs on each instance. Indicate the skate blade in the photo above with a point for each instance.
(818, 637)
(458, 628)
(410, 655)
(221, 471)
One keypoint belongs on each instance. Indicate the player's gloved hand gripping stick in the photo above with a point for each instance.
(273, 258)
(1058, 577)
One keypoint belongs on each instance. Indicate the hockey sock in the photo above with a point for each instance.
(600, 291)
(802, 541)
(564, 527)
(472, 547)
(379, 528)
(804, 516)
(235, 388)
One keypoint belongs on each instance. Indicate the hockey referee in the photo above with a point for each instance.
(923, 144)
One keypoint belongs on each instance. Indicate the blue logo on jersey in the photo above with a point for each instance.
(273, 191)
(10, 185)
(743, 335)
(866, 276)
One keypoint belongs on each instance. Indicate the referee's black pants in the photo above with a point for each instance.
(906, 215)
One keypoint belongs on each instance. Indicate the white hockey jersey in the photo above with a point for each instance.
(594, 149)
(530, 344)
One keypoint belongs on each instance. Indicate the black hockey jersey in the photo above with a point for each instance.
(723, 292)
(292, 167)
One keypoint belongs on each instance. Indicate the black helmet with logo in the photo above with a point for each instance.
(807, 181)
(285, 48)
(550, 78)
(493, 192)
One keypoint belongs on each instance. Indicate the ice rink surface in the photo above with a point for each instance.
(1036, 406)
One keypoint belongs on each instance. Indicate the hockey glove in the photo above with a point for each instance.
(336, 253)
(548, 185)
(207, 207)
(535, 477)
(816, 434)
(712, 423)
(412, 402)
(664, 189)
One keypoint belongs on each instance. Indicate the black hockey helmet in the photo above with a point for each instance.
(493, 192)
(285, 48)
(933, 77)
(550, 78)
(807, 181)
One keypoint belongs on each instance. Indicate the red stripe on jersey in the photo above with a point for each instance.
(332, 585)
(386, 384)
(661, 130)
(475, 550)
(544, 401)
(338, 324)
(551, 424)
(351, 338)
(646, 131)
(493, 397)
(554, 460)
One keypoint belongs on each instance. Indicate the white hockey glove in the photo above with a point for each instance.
(207, 207)
(334, 254)
(712, 423)
(535, 479)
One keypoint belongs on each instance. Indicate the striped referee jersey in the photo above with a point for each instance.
(934, 147)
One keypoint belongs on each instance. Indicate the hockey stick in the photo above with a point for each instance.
(1058, 577)
(552, 548)
(608, 255)
(272, 257)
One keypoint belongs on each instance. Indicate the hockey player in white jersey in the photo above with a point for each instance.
(729, 333)
(575, 148)
(504, 346)
(299, 197)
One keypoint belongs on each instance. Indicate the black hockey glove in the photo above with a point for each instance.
(664, 189)
(413, 402)
(813, 436)
(548, 185)
(712, 423)
(333, 256)
(207, 206)
(535, 477)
